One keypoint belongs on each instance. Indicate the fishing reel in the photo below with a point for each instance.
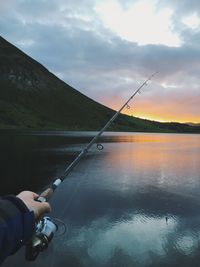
(45, 230)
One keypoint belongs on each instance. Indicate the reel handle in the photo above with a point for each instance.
(45, 230)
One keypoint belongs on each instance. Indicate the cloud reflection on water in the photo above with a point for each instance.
(116, 201)
(140, 240)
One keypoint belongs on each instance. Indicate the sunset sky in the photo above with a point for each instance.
(107, 48)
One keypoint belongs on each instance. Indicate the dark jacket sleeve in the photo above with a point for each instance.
(16, 225)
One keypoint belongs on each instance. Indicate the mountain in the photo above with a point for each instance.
(193, 124)
(31, 97)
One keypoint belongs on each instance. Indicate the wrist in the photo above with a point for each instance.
(18, 202)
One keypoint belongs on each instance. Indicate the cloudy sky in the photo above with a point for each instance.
(106, 48)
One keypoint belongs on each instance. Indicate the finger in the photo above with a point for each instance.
(35, 195)
(47, 207)
(39, 211)
(43, 207)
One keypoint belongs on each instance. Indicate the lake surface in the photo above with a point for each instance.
(134, 203)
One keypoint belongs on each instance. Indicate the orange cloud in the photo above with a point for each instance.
(164, 111)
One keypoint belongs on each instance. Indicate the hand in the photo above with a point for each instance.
(38, 208)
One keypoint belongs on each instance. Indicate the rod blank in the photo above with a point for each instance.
(46, 195)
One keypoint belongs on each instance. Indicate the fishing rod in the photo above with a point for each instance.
(46, 227)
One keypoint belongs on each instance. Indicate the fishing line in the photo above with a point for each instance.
(44, 234)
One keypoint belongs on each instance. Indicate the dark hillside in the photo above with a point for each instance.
(32, 97)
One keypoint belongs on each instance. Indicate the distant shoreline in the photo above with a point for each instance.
(31, 130)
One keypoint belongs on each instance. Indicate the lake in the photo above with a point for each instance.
(134, 203)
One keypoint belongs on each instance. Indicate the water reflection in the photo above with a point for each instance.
(136, 238)
(116, 201)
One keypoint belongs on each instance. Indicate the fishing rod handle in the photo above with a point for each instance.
(45, 195)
